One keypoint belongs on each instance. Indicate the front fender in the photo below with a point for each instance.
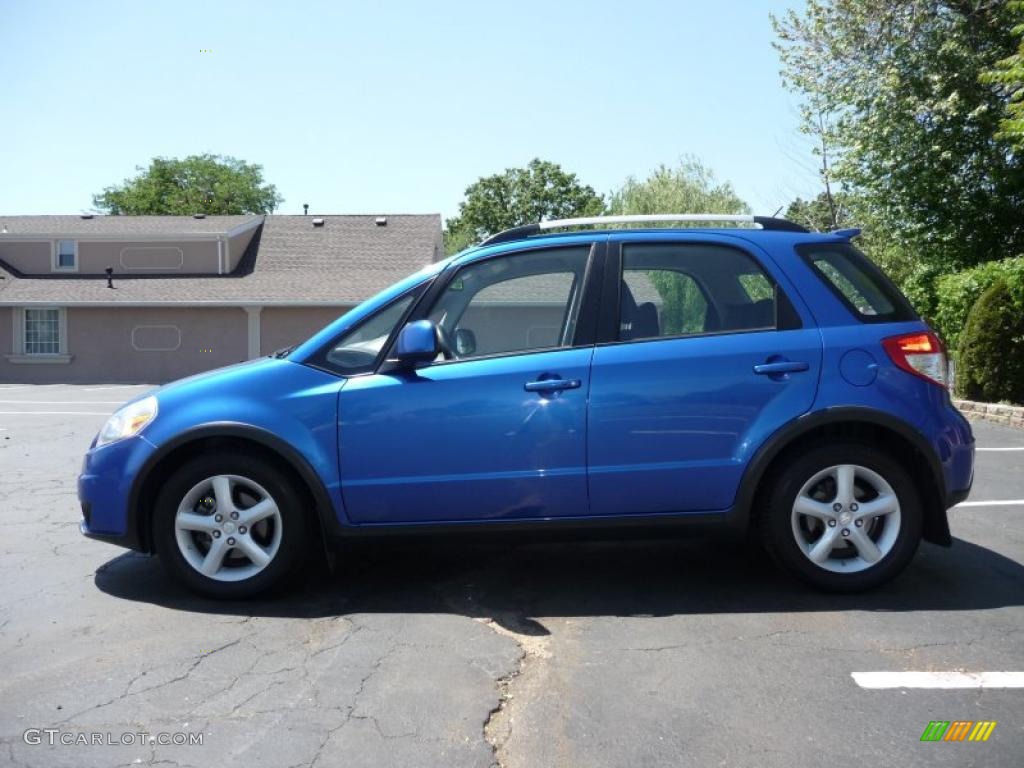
(283, 406)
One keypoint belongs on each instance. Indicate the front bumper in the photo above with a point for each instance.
(105, 487)
(129, 540)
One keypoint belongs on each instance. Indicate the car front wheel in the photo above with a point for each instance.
(844, 518)
(229, 527)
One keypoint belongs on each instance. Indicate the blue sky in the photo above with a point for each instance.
(391, 107)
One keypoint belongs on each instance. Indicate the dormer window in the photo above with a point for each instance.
(65, 256)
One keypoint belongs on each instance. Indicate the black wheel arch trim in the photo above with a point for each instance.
(138, 536)
(936, 524)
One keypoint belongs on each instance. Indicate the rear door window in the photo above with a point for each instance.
(858, 283)
(689, 289)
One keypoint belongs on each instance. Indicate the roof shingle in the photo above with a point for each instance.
(121, 225)
(288, 261)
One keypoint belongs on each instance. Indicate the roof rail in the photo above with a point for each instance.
(764, 222)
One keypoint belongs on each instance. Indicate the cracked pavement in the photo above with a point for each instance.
(471, 652)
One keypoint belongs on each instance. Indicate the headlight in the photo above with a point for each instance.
(128, 421)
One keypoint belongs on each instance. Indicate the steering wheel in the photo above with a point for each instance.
(444, 343)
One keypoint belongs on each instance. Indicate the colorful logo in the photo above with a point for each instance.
(958, 730)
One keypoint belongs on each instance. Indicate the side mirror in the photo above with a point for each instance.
(417, 343)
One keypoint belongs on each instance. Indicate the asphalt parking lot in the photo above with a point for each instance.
(477, 653)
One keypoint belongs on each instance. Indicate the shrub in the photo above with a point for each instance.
(920, 287)
(957, 293)
(991, 364)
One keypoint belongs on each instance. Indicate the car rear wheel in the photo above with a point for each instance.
(844, 517)
(229, 527)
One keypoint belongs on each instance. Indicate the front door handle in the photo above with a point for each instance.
(551, 385)
(782, 366)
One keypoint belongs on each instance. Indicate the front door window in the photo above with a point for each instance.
(514, 304)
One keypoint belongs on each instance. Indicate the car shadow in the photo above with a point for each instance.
(511, 582)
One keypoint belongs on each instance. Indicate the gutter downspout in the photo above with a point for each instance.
(253, 331)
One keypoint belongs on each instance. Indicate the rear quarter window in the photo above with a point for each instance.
(861, 286)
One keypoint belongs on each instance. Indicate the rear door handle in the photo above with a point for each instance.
(551, 385)
(784, 366)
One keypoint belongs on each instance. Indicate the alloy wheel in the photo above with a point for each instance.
(846, 518)
(228, 528)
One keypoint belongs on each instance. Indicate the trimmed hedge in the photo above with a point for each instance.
(957, 293)
(991, 364)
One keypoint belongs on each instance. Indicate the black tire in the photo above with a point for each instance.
(294, 524)
(775, 526)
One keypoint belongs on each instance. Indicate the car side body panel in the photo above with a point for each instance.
(673, 422)
(659, 431)
(466, 441)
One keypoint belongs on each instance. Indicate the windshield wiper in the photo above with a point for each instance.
(284, 352)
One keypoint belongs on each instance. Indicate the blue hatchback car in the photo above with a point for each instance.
(754, 377)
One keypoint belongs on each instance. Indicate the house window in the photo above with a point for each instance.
(66, 255)
(42, 332)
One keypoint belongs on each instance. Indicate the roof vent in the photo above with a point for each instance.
(86, 215)
(381, 221)
(318, 222)
(198, 215)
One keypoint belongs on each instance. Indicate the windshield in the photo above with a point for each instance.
(312, 347)
(357, 350)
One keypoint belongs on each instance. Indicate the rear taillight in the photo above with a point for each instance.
(920, 353)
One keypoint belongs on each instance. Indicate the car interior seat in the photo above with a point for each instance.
(645, 321)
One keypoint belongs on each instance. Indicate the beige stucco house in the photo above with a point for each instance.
(188, 293)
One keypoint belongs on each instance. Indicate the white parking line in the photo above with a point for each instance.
(1016, 448)
(115, 386)
(54, 413)
(61, 402)
(880, 680)
(999, 503)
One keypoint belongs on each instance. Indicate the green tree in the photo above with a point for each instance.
(990, 365)
(821, 214)
(1008, 74)
(914, 132)
(843, 210)
(519, 196)
(211, 184)
(689, 187)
